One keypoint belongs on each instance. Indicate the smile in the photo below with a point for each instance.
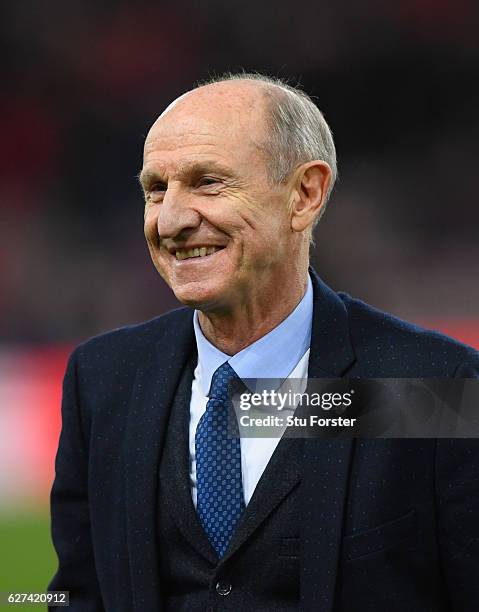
(197, 252)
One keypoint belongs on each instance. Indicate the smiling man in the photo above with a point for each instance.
(154, 506)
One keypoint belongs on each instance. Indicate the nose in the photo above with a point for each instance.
(176, 215)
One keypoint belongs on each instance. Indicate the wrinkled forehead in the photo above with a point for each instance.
(232, 113)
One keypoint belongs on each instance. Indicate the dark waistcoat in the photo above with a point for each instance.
(260, 570)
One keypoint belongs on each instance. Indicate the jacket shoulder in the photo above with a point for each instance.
(134, 339)
(406, 349)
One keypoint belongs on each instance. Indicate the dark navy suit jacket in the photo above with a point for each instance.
(385, 524)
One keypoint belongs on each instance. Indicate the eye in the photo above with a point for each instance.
(206, 181)
(157, 187)
(155, 192)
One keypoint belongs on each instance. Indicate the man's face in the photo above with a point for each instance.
(217, 230)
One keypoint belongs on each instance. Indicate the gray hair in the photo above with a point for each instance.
(298, 132)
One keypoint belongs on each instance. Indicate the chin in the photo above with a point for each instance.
(199, 297)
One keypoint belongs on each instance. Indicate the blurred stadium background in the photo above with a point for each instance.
(398, 83)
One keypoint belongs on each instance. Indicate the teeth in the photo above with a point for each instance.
(198, 252)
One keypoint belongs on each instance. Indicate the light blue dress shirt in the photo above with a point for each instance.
(272, 356)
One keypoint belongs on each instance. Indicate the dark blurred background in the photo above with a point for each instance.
(83, 81)
(398, 83)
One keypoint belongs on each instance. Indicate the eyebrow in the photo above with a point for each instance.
(147, 177)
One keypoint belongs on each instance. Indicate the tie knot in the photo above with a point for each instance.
(221, 380)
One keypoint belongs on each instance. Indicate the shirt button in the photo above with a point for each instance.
(223, 588)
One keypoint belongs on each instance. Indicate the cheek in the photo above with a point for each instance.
(150, 226)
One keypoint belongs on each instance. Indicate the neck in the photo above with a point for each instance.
(232, 331)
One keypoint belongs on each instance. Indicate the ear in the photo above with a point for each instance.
(309, 194)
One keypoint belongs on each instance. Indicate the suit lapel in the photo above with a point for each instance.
(331, 352)
(175, 470)
(326, 462)
(150, 402)
(270, 491)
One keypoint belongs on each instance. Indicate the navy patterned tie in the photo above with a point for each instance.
(220, 499)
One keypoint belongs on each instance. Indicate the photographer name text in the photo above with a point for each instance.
(312, 420)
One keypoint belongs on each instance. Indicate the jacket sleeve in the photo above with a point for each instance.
(457, 488)
(71, 531)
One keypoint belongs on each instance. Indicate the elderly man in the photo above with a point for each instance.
(154, 505)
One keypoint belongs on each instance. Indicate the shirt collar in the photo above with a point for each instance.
(275, 355)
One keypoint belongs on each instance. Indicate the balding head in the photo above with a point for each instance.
(289, 127)
(238, 109)
(241, 94)
(292, 129)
